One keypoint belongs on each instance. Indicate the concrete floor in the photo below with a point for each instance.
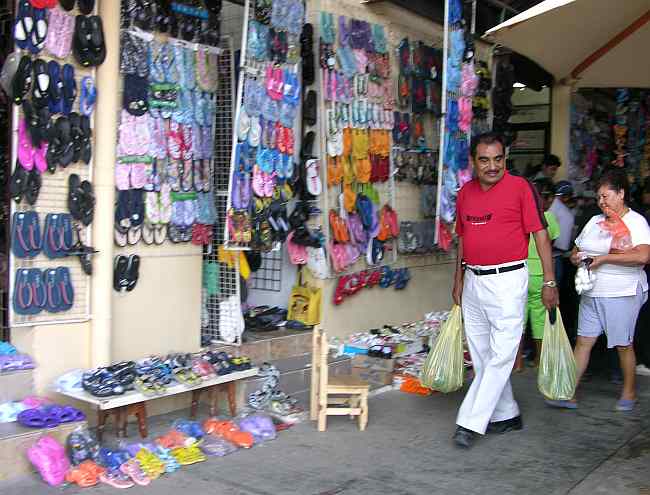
(407, 450)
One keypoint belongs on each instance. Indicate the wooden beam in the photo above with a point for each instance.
(615, 41)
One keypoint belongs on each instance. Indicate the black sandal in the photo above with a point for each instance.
(120, 281)
(22, 81)
(41, 86)
(97, 48)
(18, 183)
(86, 140)
(132, 271)
(75, 197)
(33, 187)
(87, 202)
(86, 6)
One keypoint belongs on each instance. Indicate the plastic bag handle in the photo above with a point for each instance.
(552, 315)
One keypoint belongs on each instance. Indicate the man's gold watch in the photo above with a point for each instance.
(550, 283)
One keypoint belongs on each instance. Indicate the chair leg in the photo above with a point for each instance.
(363, 417)
(322, 418)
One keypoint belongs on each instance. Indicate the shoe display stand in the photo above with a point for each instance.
(261, 190)
(133, 402)
(461, 80)
(164, 170)
(220, 280)
(52, 199)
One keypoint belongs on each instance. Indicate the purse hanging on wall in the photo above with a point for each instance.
(305, 303)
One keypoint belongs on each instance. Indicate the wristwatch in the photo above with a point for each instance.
(550, 283)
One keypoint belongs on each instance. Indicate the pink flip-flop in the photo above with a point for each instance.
(133, 470)
(40, 161)
(116, 479)
(258, 181)
(138, 175)
(25, 148)
(122, 176)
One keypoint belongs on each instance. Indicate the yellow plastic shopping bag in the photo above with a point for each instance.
(556, 378)
(443, 369)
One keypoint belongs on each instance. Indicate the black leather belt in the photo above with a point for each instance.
(494, 271)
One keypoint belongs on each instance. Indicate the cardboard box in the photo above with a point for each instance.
(375, 378)
(373, 363)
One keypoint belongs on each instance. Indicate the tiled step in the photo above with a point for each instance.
(16, 385)
(16, 439)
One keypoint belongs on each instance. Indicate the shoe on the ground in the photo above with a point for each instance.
(561, 404)
(463, 437)
(642, 369)
(625, 405)
(512, 424)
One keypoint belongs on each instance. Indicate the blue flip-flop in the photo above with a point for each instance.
(69, 89)
(19, 245)
(36, 285)
(64, 281)
(50, 246)
(561, 404)
(22, 297)
(387, 277)
(56, 87)
(625, 405)
(33, 231)
(88, 96)
(66, 236)
(24, 24)
(54, 299)
(39, 31)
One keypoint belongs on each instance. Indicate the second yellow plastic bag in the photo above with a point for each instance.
(443, 369)
(556, 378)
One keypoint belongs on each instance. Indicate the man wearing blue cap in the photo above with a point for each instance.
(566, 218)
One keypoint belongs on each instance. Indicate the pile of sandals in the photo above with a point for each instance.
(270, 397)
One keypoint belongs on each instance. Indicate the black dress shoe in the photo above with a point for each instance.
(463, 437)
(512, 424)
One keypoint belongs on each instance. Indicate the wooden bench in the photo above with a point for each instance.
(134, 403)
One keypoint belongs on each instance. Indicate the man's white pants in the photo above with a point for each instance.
(493, 316)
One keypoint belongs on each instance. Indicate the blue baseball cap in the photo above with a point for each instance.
(563, 188)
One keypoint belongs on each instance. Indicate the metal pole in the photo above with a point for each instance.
(443, 116)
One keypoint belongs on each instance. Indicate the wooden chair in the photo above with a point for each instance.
(352, 393)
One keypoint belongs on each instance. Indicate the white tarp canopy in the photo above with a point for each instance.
(592, 43)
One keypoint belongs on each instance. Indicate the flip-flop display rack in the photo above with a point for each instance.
(52, 202)
(610, 129)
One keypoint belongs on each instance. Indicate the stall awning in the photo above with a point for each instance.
(592, 43)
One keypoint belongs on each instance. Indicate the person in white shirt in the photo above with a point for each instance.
(621, 286)
(566, 219)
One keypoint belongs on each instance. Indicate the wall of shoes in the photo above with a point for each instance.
(415, 152)
(468, 84)
(364, 182)
(51, 79)
(169, 69)
(265, 176)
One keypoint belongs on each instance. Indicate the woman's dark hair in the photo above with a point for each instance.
(486, 138)
(616, 180)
